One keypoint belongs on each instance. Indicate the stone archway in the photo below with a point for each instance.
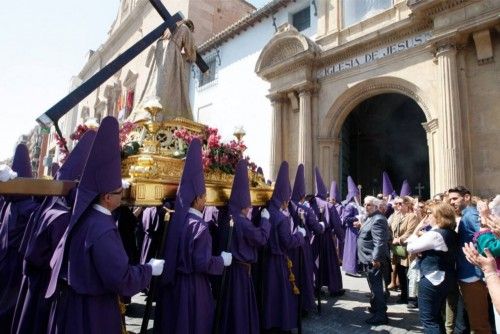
(331, 127)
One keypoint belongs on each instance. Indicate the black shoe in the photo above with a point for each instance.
(375, 321)
(370, 309)
(354, 275)
(402, 301)
(339, 293)
(412, 304)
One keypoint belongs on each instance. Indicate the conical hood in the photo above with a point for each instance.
(21, 163)
(405, 189)
(72, 168)
(102, 172)
(192, 180)
(281, 192)
(334, 192)
(259, 171)
(299, 185)
(321, 191)
(240, 192)
(352, 189)
(387, 188)
(192, 185)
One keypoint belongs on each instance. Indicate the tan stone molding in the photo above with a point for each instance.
(445, 46)
(286, 51)
(375, 40)
(484, 48)
(431, 126)
(348, 100)
(277, 98)
(433, 7)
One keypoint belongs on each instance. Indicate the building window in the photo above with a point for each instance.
(359, 10)
(302, 20)
(209, 75)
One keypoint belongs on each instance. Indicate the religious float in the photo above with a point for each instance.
(153, 155)
(153, 160)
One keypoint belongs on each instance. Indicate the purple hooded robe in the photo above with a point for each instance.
(298, 210)
(239, 305)
(17, 212)
(90, 268)
(330, 266)
(185, 304)
(350, 259)
(47, 228)
(280, 303)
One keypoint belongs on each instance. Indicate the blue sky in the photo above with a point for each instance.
(43, 45)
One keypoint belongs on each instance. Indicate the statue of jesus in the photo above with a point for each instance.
(168, 80)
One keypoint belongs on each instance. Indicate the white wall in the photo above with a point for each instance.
(238, 96)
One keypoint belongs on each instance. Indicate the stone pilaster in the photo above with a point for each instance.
(305, 136)
(431, 128)
(451, 167)
(276, 135)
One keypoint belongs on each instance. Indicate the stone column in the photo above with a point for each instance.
(450, 121)
(276, 136)
(305, 136)
(431, 128)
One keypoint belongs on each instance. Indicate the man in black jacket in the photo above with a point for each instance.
(372, 254)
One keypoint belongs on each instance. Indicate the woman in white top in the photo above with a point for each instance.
(437, 250)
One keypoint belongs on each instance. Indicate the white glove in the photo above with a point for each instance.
(322, 225)
(6, 173)
(302, 231)
(227, 258)
(125, 184)
(157, 266)
(264, 214)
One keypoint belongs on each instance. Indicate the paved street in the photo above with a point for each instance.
(340, 315)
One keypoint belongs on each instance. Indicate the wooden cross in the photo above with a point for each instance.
(52, 116)
(419, 188)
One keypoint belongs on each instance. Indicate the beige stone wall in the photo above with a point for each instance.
(483, 82)
(209, 16)
(212, 16)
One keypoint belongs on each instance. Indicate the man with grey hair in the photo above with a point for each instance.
(372, 254)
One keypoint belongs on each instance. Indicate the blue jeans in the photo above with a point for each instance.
(430, 302)
(376, 283)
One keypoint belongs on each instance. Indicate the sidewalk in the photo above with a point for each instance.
(345, 314)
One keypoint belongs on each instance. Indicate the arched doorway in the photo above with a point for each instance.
(385, 133)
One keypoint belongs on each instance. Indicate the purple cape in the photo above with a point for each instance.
(188, 306)
(350, 256)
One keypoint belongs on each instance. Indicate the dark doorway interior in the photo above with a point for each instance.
(385, 133)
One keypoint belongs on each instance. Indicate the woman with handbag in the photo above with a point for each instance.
(402, 227)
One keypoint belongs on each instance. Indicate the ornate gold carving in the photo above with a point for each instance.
(155, 173)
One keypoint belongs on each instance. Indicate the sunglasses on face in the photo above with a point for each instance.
(398, 203)
(118, 192)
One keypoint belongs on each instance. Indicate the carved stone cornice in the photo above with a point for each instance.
(431, 126)
(446, 46)
(345, 103)
(432, 7)
(276, 98)
(388, 35)
(287, 51)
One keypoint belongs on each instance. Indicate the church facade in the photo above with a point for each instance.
(405, 86)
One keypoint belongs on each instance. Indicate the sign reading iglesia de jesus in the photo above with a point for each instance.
(373, 55)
